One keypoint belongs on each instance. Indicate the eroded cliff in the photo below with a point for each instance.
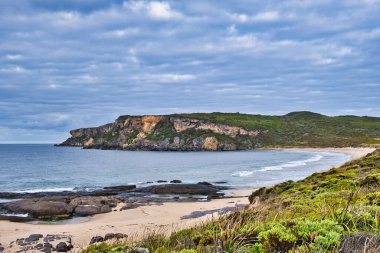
(164, 133)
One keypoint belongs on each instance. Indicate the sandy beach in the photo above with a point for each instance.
(162, 218)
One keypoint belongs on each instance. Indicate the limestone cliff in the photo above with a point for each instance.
(164, 133)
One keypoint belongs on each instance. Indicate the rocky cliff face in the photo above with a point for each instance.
(163, 133)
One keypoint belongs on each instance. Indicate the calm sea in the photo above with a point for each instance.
(33, 168)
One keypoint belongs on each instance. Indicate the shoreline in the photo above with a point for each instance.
(165, 217)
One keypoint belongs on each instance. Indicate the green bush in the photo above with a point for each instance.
(321, 235)
(277, 238)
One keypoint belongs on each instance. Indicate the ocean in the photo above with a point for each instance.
(37, 168)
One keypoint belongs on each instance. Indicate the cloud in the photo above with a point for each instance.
(13, 57)
(14, 69)
(154, 9)
(80, 64)
(266, 16)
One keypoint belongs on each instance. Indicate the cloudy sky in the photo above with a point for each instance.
(70, 64)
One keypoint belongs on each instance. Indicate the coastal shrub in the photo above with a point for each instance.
(188, 251)
(320, 235)
(277, 237)
(371, 180)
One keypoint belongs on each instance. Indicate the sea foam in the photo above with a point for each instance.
(292, 164)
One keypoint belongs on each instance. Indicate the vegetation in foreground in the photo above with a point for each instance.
(333, 211)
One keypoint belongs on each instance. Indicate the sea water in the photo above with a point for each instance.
(36, 168)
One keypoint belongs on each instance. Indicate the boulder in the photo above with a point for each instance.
(49, 209)
(40, 208)
(176, 181)
(86, 210)
(117, 236)
(33, 238)
(192, 189)
(140, 250)
(62, 247)
(96, 239)
(47, 247)
(210, 144)
(121, 187)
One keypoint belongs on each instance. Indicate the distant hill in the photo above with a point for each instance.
(228, 131)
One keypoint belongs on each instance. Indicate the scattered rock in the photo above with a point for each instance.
(140, 250)
(130, 206)
(191, 189)
(117, 236)
(39, 246)
(47, 247)
(96, 239)
(19, 241)
(205, 183)
(62, 247)
(86, 210)
(121, 187)
(33, 238)
(176, 181)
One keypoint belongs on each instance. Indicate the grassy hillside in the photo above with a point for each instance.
(306, 129)
(333, 211)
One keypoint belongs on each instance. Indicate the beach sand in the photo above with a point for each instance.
(163, 218)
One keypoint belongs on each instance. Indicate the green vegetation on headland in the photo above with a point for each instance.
(229, 131)
(333, 211)
(302, 129)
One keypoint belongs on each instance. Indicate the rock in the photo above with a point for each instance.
(95, 201)
(162, 181)
(62, 247)
(87, 210)
(221, 182)
(39, 246)
(96, 239)
(47, 247)
(192, 189)
(140, 250)
(19, 241)
(121, 187)
(176, 181)
(130, 206)
(210, 144)
(33, 238)
(117, 236)
(41, 208)
(205, 183)
(1, 248)
(173, 132)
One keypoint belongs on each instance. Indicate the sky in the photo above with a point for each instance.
(71, 64)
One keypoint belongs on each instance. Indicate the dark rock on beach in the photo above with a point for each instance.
(61, 207)
(96, 239)
(121, 187)
(39, 243)
(117, 236)
(62, 247)
(191, 189)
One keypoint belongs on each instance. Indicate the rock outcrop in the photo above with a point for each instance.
(164, 133)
